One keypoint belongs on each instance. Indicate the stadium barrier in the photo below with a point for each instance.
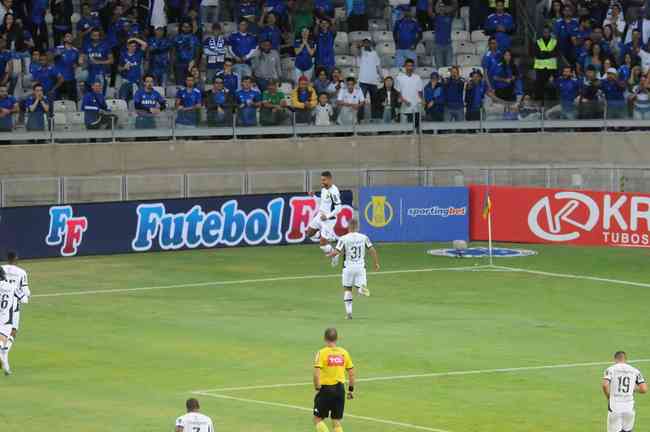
(562, 216)
(414, 214)
(160, 225)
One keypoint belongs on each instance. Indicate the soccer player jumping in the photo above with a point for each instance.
(325, 220)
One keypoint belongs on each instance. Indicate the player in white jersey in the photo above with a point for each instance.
(325, 219)
(8, 298)
(620, 382)
(194, 421)
(17, 276)
(354, 268)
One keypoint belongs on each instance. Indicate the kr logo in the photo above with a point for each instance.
(66, 230)
(382, 212)
(564, 224)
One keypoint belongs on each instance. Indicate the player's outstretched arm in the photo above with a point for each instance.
(375, 257)
(605, 387)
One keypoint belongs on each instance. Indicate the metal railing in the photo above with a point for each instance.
(65, 190)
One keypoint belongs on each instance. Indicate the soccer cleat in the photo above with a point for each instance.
(364, 292)
(335, 261)
(348, 317)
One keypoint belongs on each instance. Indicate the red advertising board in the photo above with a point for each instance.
(535, 215)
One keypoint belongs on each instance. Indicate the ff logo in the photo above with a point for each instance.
(556, 221)
(382, 212)
(66, 230)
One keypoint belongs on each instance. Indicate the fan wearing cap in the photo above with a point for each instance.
(614, 90)
(434, 103)
(303, 100)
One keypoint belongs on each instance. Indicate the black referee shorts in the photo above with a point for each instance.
(330, 402)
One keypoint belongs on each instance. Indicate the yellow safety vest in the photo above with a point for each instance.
(547, 62)
(506, 4)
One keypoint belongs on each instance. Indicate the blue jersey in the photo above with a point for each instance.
(6, 122)
(568, 89)
(65, 61)
(563, 32)
(87, 23)
(39, 7)
(501, 70)
(145, 101)
(327, 6)
(247, 112)
(101, 52)
(443, 29)
(46, 75)
(115, 30)
(278, 7)
(325, 49)
(242, 44)
(91, 104)
(188, 98)
(230, 81)
(5, 57)
(304, 61)
(272, 34)
(613, 90)
(159, 53)
(134, 73)
(406, 33)
(246, 8)
(187, 47)
(474, 96)
(504, 20)
(214, 50)
(435, 95)
(453, 93)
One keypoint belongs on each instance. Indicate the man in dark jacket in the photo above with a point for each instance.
(386, 104)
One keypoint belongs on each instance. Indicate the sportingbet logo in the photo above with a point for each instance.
(66, 230)
(335, 360)
(229, 226)
(379, 212)
(566, 216)
(443, 212)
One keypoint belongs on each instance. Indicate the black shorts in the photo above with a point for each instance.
(330, 402)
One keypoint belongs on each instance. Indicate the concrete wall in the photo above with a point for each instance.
(338, 152)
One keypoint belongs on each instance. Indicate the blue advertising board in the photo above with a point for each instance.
(140, 226)
(414, 214)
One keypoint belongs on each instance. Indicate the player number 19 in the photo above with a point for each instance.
(624, 384)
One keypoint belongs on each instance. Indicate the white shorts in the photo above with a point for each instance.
(354, 277)
(5, 329)
(620, 421)
(325, 227)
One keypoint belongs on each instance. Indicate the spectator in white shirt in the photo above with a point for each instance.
(410, 87)
(349, 101)
(369, 69)
(323, 113)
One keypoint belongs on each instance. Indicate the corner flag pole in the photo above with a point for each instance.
(490, 237)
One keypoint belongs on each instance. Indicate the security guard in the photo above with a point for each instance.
(546, 54)
(330, 366)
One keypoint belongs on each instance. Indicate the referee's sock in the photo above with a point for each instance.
(321, 427)
(347, 299)
(338, 428)
(326, 248)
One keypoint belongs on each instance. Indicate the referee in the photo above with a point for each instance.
(329, 381)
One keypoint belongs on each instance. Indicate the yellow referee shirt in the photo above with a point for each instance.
(333, 362)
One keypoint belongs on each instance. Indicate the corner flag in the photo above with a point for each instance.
(487, 205)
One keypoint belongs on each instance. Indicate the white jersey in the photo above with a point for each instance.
(8, 300)
(195, 422)
(330, 202)
(355, 245)
(18, 277)
(623, 380)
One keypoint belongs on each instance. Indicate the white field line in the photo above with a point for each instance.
(251, 281)
(574, 276)
(300, 408)
(422, 375)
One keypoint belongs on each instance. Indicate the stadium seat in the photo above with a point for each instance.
(60, 121)
(171, 103)
(428, 36)
(386, 49)
(387, 61)
(341, 49)
(457, 35)
(426, 61)
(172, 30)
(75, 120)
(342, 37)
(424, 72)
(288, 64)
(463, 47)
(349, 71)
(228, 27)
(358, 36)
(160, 90)
(467, 59)
(377, 25)
(467, 70)
(343, 61)
(170, 91)
(444, 72)
(18, 66)
(63, 106)
(458, 24)
(420, 49)
(394, 71)
(340, 14)
(286, 88)
(117, 105)
(382, 36)
(479, 36)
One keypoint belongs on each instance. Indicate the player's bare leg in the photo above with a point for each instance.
(347, 299)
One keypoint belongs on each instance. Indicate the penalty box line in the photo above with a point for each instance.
(301, 408)
(572, 276)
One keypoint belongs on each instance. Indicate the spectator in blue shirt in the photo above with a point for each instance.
(89, 21)
(500, 24)
(270, 31)
(443, 52)
(304, 50)
(277, 8)
(407, 34)
(219, 103)
(505, 79)
(324, 9)
(66, 60)
(568, 88)
(61, 11)
(454, 88)
(614, 90)
(243, 46)
(96, 112)
(322, 81)
(214, 50)
(230, 78)
(475, 92)
(565, 30)
(7, 76)
(491, 58)
(46, 74)
(325, 36)
(248, 101)
(37, 109)
(38, 27)
(98, 57)
(434, 100)
(188, 104)
(149, 104)
(246, 10)
(186, 52)
(159, 49)
(8, 107)
(357, 15)
(130, 67)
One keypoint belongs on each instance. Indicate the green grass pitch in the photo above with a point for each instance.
(126, 361)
